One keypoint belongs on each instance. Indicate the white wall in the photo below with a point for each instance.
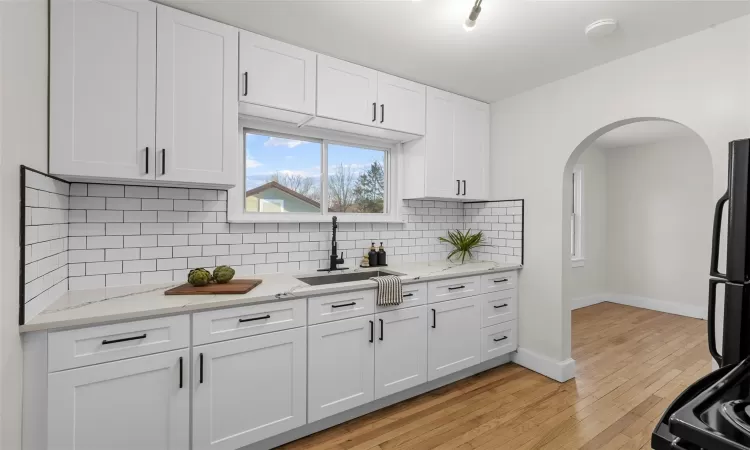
(23, 140)
(701, 81)
(659, 215)
(591, 278)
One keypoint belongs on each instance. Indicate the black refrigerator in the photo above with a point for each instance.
(714, 412)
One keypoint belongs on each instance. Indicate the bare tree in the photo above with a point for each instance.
(341, 188)
(306, 186)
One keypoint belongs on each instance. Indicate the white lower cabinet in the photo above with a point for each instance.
(248, 389)
(341, 366)
(400, 350)
(498, 340)
(453, 336)
(138, 403)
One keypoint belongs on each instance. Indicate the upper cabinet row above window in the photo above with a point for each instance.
(141, 92)
(283, 82)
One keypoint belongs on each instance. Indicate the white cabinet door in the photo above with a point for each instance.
(141, 403)
(196, 101)
(340, 368)
(276, 74)
(453, 336)
(400, 350)
(347, 91)
(439, 135)
(102, 88)
(249, 389)
(401, 104)
(471, 148)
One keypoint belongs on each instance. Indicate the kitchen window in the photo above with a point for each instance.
(576, 218)
(311, 177)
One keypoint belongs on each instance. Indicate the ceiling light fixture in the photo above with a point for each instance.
(601, 28)
(472, 19)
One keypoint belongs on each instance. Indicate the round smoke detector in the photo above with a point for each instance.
(601, 28)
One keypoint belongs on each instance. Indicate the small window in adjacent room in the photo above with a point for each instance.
(576, 218)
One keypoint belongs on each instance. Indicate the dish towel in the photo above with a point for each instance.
(389, 290)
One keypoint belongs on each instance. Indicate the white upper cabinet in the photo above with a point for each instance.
(196, 101)
(134, 403)
(439, 180)
(141, 92)
(276, 75)
(347, 91)
(452, 160)
(471, 148)
(401, 104)
(102, 87)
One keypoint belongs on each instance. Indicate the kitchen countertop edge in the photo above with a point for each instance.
(296, 292)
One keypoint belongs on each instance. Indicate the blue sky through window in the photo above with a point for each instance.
(268, 155)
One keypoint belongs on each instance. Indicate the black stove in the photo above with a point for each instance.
(714, 412)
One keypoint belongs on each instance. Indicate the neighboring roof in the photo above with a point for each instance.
(281, 187)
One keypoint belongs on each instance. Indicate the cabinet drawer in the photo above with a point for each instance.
(499, 281)
(340, 306)
(223, 324)
(451, 289)
(498, 340)
(414, 295)
(94, 345)
(498, 307)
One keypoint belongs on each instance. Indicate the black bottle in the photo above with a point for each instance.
(373, 256)
(381, 256)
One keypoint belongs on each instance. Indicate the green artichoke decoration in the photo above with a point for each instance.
(223, 274)
(199, 277)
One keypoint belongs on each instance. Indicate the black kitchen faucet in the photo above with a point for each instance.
(335, 260)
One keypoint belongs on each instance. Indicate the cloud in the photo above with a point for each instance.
(252, 163)
(281, 142)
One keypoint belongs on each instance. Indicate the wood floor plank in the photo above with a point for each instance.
(630, 364)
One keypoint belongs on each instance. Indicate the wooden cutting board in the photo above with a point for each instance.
(233, 287)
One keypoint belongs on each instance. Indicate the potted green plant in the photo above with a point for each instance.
(463, 242)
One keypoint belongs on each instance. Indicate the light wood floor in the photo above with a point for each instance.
(631, 363)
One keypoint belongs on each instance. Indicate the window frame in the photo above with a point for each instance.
(393, 162)
(577, 247)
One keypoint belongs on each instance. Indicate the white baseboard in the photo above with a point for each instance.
(557, 370)
(680, 309)
(582, 302)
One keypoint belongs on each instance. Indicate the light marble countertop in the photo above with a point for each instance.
(97, 306)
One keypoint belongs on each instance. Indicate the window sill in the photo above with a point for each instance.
(311, 218)
(577, 262)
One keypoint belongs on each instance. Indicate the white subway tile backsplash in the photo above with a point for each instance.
(106, 190)
(157, 205)
(203, 194)
(122, 229)
(156, 252)
(141, 192)
(157, 228)
(125, 204)
(140, 241)
(88, 282)
(174, 193)
(188, 228)
(159, 234)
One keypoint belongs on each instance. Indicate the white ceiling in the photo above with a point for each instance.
(516, 45)
(642, 133)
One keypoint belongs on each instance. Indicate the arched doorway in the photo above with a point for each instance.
(656, 219)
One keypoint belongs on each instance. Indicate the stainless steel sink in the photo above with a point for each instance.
(344, 277)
